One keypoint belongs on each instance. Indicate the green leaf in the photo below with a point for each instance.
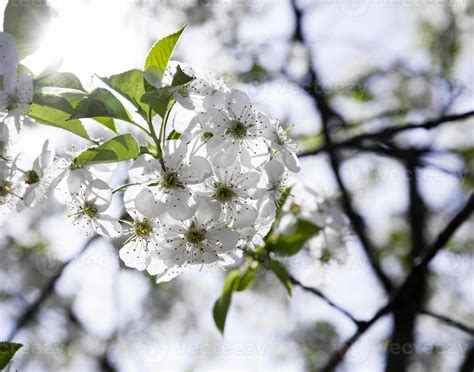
(236, 281)
(57, 118)
(130, 85)
(221, 306)
(246, 280)
(160, 53)
(101, 104)
(120, 148)
(174, 135)
(7, 351)
(53, 101)
(256, 74)
(107, 122)
(160, 100)
(60, 80)
(289, 245)
(281, 273)
(27, 21)
(180, 78)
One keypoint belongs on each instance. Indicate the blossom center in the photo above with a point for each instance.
(12, 102)
(170, 181)
(5, 188)
(281, 139)
(32, 177)
(224, 193)
(326, 256)
(90, 210)
(143, 228)
(195, 235)
(205, 136)
(184, 91)
(237, 130)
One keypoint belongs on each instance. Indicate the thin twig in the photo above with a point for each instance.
(449, 321)
(322, 296)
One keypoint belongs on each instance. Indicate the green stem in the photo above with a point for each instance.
(152, 130)
(122, 187)
(163, 125)
(141, 128)
(156, 139)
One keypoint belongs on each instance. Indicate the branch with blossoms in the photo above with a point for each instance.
(209, 176)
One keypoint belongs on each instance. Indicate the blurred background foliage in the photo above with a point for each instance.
(382, 64)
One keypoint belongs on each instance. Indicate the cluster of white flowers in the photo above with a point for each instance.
(207, 193)
(214, 189)
(22, 183)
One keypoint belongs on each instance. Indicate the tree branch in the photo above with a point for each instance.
(322, 296)
(449, 321)
(31, 312)
(468, 361)
(404, 316)
(389, 132)
(420, 266)
(331, 118)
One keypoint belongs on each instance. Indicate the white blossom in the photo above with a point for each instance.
(272, 193)
(16, 98)
(143, 232)
(235, 128)
(191, 95)
(8, 53)
(42, 177)
(329, 247)
(87, 210)
(171, 185)
(285, 147)
(201, 240)
(11, 188)
(233, 189)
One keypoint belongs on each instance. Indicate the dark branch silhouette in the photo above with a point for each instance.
(386, 133)
(420, 266)
(326, 299)
(331, 118)
(405, 302)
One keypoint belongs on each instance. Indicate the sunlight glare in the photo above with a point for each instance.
(90, 37)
